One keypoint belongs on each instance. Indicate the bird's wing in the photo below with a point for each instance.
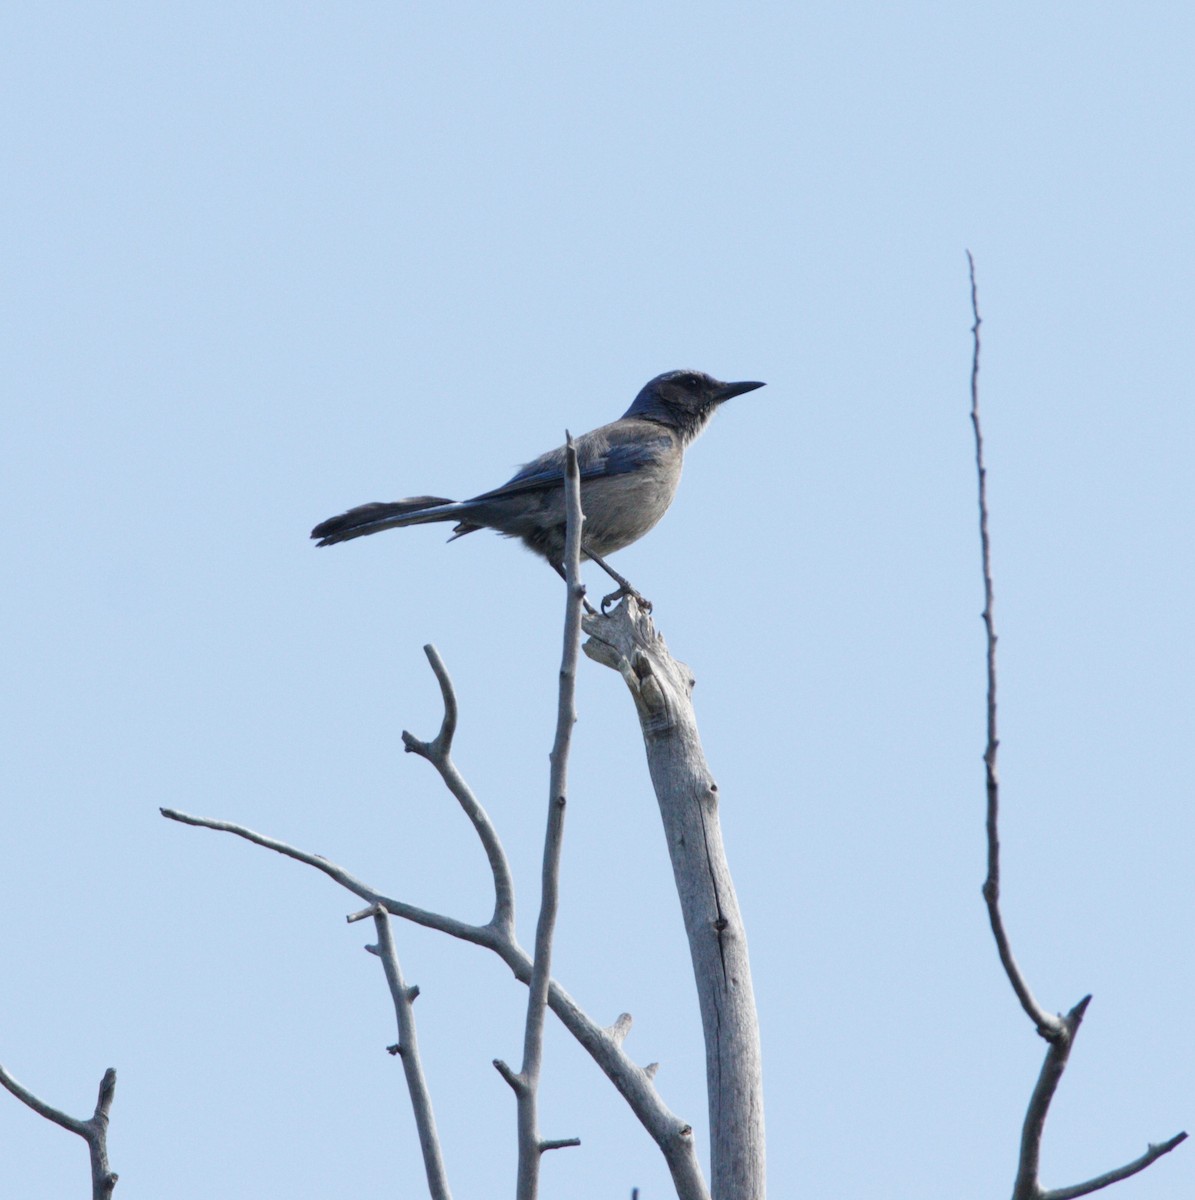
(547, 471)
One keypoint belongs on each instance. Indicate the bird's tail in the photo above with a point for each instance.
(372, 518)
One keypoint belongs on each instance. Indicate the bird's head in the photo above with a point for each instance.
(684, 400)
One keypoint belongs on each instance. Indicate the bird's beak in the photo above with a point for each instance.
(724, 391)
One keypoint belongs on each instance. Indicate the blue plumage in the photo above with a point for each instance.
(629, 473)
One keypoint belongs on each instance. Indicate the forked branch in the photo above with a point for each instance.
(672, 1134)
(635, 1084)
(1058, 1030)
(93, 1130)
(438, 752)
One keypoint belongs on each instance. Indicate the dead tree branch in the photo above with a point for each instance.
(672, 1134)
(438, 752)
(480, 935)
(407, 1048)
(1152, 1154)
(1059, 1031)
(1048, 1025)
(687, 795)
(94, 1130)
(605, 1045)
(526, 1083)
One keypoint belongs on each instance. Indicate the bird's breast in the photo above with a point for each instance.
(620, 509)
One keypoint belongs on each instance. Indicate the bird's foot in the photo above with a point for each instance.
(624, 586)
(623, 591)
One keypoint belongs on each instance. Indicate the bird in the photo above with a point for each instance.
(629, 472)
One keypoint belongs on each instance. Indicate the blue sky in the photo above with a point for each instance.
(265, 261)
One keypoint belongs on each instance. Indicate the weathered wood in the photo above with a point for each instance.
(627, 641)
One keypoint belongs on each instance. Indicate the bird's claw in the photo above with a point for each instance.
(624, 591)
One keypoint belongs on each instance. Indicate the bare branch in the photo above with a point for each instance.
(1152, 1154)
(1059, 1031)
(1048, 1025)
(512, 1077)
(94, 1131)
(619, 1030)
(408, 1048)
(661, 687)
(443, 739)
(39, 1106)
(1026, 1186)
(439, 753)
(671, 1133)
(527, 1096)
(558, 1144)
(481, 935)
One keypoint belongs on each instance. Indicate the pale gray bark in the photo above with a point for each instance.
(715, 905)
(525, 1083)
(688, 798)
(94, 1130)
(634, 1083)
(407, 1048)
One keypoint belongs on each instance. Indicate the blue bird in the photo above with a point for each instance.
(629, 473)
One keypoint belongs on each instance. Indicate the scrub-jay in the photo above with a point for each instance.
(629, 472)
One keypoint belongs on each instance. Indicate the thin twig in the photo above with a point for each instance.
(1059, 1031)
(526, 1083)
(94, 1130)
(481, 935)
(439, 753)
(559, 1144)
(1151, 1155)
(408, 1050)
(1048, 1025)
